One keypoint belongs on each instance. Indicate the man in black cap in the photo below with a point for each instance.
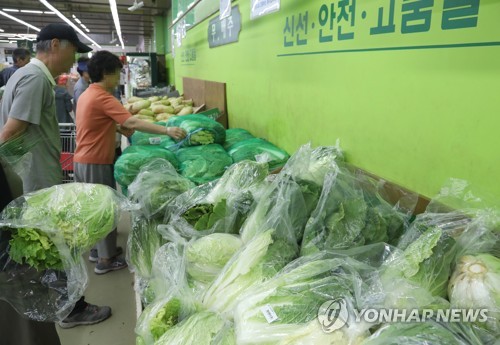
(28, 105)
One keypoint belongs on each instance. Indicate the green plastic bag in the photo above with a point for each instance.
(134, 157)
(200, 129)
(141, 138)
(235, 135)
(250, 148)
(203, 163)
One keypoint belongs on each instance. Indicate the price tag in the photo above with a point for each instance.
(269, 313)
(155, 141)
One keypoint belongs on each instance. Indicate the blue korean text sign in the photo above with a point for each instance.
(226, 30)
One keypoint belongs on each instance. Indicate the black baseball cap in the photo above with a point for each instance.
(62, 32)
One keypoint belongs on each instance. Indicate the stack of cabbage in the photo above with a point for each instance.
(257, 259)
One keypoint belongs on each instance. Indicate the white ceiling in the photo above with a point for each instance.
(136, 26)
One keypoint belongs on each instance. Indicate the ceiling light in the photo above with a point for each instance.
(19, 20)
(31, 11)
(60, 15)
(1, 30)
(74, 17)
(4, 41)
(116, 19)
(48, 12)
(9, 10)
(136, 6)
(87, 30)
(78, 21)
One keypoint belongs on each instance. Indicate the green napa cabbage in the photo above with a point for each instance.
(423, 333)
(201, 328)
(62, 220)
(259, 260)
(207, 255)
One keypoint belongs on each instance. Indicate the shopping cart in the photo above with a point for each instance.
(67, 132)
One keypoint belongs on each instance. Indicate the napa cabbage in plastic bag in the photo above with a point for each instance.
(259, 260)
(200, 129)
(44, 236)
(249, 149)
(156, 185)
(352, 212)
(202, 328)
(219, 206)
(424, 333)
(128, 165)
(141, 138)
(286, 308)
(235, 135)
(202, 164)
(286, 204)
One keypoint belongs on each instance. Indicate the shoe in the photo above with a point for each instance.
(114, 264)
(90, 315)
(93, 257)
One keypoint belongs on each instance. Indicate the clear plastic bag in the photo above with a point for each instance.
(155, 186)
(46, 233)
(218, 206)
(352, 212)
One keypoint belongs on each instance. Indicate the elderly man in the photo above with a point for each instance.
(29, 106)
(21, 57)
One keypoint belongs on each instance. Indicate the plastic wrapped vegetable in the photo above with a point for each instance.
(141, 138)
(351, 212)
(219, 206)
(424, 333)
(202, 328)
(259, 260)
(284, 309)
(49, 230)
(200, 129)
(416, 273)
(156, 184)
(172, 299)
(235, 135)
(251, 148)
(204, 163)
(128, 165)
(286, 204)
(142, 244)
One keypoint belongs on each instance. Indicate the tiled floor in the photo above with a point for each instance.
(114, 289)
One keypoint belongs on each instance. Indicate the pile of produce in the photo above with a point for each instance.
(157, 108)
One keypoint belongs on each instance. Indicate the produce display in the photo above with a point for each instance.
(156, 108)
(248, 257)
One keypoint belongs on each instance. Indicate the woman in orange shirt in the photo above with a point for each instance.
(99, 115)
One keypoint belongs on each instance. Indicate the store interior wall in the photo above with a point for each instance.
(415, 117)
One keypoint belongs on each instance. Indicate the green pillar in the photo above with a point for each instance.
(159, 34)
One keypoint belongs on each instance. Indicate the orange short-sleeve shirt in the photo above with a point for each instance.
(97, 114)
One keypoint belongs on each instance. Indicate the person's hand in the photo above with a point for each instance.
(125, 130)
(176, 133)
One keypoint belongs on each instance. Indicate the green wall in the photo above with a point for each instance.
(413, 116)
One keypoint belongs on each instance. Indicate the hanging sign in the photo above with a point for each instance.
(224, 31)
(262, 7)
